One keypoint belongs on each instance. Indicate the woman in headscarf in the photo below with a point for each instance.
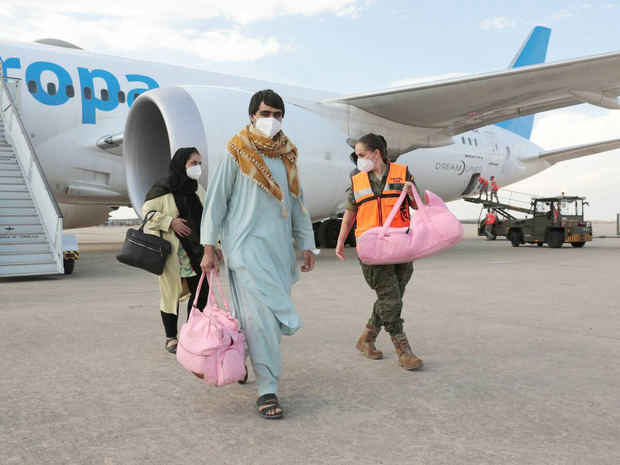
(177, 201)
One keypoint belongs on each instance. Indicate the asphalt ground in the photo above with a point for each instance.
(521, 349)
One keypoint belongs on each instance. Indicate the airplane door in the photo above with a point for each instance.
(507, 162)
(493, 149)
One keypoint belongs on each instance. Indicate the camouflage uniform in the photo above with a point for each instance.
(388, 281)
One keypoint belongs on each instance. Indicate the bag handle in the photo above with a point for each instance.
(390, 218)
(211, 298)
(147, 218)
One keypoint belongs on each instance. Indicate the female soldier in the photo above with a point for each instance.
(177, 201)
(375, 186)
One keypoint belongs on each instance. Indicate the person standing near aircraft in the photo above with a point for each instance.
(483, 186)
(254, 203)
(376, 185)
(494, 189)
(178, 201)
(490, 220)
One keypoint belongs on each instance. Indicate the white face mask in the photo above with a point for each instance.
(365, 164)
(268, 126)
(194, 172)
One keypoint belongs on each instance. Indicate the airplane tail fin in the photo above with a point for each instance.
(532, 52)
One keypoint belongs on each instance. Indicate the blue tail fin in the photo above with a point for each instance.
(532, 52)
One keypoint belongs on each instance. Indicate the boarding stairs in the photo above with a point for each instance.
(30, 219)
(508, 201)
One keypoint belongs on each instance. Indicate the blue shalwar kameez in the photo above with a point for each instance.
(261, 261)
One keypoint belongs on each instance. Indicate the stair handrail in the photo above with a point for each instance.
(32, 170)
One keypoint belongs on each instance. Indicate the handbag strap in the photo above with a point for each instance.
(390, 218)
(211, 298)
(147, 218)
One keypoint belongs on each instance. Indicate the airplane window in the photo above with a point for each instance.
(121, 97)
(104, 95)
(51, 88)
(32, 87)
(88, 93)
(469, 139)
(463, 140)
(70, 91)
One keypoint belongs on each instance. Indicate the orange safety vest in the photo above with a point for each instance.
(491, 218)
(372, 211)
(495, 186)
(483, 181)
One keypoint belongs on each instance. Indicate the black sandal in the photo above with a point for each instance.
(268, 402)
(172, 348)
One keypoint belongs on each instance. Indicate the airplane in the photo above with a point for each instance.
(102, 128)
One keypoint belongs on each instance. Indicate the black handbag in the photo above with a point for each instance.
(144, 250)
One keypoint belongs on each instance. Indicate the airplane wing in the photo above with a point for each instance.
(555, 156)
(446, 108)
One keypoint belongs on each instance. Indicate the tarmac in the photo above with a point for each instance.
(521, 349)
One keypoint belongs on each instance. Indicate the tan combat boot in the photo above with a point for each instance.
(366, 343)
(406, 357)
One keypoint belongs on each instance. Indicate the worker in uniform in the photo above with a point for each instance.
(490, 220)
(375, 188)
(483, 186)
(494, 189)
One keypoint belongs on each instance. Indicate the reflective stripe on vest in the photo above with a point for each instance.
(372, 211)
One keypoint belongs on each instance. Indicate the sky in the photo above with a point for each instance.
(351, 46)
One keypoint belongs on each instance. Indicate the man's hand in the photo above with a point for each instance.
(210, 260)
(340, 250)
(178, 226)
(308, 261)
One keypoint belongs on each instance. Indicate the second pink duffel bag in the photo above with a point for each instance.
(432, 228)
(211, 344)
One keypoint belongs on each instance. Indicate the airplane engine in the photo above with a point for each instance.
(162, 120)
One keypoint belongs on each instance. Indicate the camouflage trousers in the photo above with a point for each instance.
(389, 282)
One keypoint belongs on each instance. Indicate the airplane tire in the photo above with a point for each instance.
(540, 244)
(578, 244)
(68, 266)
(328, 233)
(556, 239)
(515, 238)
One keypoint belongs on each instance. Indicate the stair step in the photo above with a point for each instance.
(9, 195)
(21, 229)
(9, 164)
(12, 188)
(7, 237)
(12, 180)
(7, 211)
(28, 247)
(26, 257)
(15, 203)
(29, 269)
(10, 171)
(19, 220)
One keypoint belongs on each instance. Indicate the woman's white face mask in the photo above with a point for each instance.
(268, 126)
(365, 164)
(194, 172)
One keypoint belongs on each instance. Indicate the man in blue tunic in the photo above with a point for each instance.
(254, 205)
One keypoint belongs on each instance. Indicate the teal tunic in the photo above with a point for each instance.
(257, 241)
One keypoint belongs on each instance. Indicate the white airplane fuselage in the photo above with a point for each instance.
(87, 180)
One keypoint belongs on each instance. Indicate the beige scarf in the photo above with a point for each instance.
(246, 148)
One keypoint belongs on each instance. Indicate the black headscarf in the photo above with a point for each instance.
(183, 188)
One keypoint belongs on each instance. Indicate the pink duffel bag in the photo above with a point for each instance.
(432, 228)
(211, 345)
